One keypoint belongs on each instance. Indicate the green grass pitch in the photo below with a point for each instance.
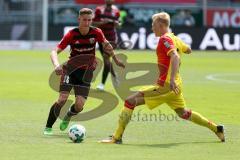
(211, 87)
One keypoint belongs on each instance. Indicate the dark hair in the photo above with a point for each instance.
(85, 11)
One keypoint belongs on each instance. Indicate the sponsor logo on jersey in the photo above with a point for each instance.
(92, 40)
(166, 44)
(84, 49)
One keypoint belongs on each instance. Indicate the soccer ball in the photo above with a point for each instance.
(77, 133)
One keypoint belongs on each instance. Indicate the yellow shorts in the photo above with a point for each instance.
(155, 95)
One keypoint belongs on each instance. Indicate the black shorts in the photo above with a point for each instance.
(79, 80)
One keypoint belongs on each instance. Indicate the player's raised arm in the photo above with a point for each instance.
(109, 50)
(175, 61)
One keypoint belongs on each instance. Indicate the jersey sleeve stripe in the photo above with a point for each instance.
(170, 51)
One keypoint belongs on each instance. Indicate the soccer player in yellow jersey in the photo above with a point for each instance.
(168, 88)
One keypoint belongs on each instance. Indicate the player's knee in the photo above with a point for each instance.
(79, 106)
(184, 113)
(130, 103)
(61, 101)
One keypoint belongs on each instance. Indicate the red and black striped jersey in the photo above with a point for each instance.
(82, 47)
(108, 29)
(82, 44)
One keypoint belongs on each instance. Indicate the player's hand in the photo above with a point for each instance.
(174, 87)
(59, 70)
(118, 62)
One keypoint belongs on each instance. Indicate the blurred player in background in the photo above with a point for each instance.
(107, 19)
(168, 88)
(77, 73)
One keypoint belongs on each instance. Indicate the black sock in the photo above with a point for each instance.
(108, 67)
(71, 112)
(53, 115)
(106, 70)
(112, 71)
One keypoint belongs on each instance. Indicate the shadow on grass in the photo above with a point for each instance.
(60, 135)
(168, 145)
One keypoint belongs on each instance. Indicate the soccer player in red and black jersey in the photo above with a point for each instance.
(107, 18)
(77, 73)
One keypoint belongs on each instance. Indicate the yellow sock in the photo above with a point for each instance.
(124, 118)
(199, 119)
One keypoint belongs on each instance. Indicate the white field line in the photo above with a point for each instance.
(219, 77)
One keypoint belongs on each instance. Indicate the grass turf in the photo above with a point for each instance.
(25, 99)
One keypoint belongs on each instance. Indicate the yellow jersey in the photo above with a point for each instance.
(166, 44)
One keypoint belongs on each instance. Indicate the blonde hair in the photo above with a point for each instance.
(85, 11)
(162, 17)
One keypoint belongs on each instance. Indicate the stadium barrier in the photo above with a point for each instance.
(197, 38)
(27, 45)
(143, 38)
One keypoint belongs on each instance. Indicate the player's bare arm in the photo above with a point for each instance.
(175, 60)
(109, 50)
(54, 58)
